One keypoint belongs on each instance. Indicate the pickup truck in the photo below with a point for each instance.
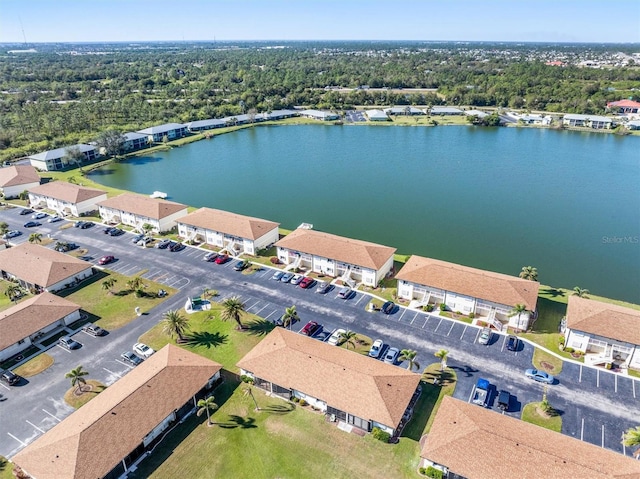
(480, 392)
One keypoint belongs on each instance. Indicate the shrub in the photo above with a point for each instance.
(246, 379)
(295, 399)
(429, 307)
(434, 473)
(380, 435)
(303, 402)
(472, 315)
(423, 471)
(569, 349)
(561, 340)
(443, 307)
(274, 260)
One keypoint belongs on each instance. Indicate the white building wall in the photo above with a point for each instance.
(14, 349)
(39, 164)
(635, 359)
(70, 318)
(382, 426)
(459, 302)
(576, 340)
(266, 239)
(71, 279)
(168, 222)
(15, 190)
(315, 402)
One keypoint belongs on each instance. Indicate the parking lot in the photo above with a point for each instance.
(354, 116)
(596, 405)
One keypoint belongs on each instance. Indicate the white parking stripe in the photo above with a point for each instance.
(41, 430)
(633, 383)
(23, 443)
(603, 435)
(503, 341)
(47, 412)
(414, 318)
(582, 430)
(124, 364)
(425, 322)
(257, 313)
(269, 315)
(403, 311)
(615, 377)
(111, 372)
(580, 375)
(477, 334)
(360, 299)
(463, 331)
(438, 325)
(451, 328)
(5, 386)
(597, 378)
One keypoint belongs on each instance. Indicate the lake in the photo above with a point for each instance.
(565, 202)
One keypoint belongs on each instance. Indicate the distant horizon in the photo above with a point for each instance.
(492, 21)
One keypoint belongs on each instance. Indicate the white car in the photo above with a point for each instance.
(376, 349)
(39, 216)
(54, 219)
(143, 350)
(12, 234)
(335, 337)
(296, 279)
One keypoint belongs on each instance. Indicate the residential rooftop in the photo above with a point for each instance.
(63, 191)
(18, 175)
(229, 223)
(142, 206)
(604, 319)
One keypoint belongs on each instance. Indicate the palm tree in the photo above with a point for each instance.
(348, 338)
(175, 324)
(580, 292)
(13, 292)
(233, 308)
(35, 238)
(207, 405)
(76, 376)
(517, 310)
(108, 284)
(136, 284)
(290, 316)
(147, 228)
(442, 356)
(409, 355)
(4, 228)
(631, 438)
(529, 272)
(248, 391)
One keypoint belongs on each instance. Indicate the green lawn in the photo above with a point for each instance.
(5, 469)
(113, 311)
(530, 414)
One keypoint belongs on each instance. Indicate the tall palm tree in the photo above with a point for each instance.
(290, 316)
(580, 292)
(442, 356)
(77, 377)
(35, 238)
(517, 310)
(147, 228)
(4, 228)
(13, 292)
(409, 355)
(348, 338)
(175, 324)
(207, 405)
(233, 308)
(529, 272)
(631, 438)
(248, 391)
(136, 284)
(108, 284)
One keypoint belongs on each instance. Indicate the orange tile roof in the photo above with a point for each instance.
(478, 443)
(32, 315)
(18, 175)
(346, 250)
(229, 223)
(94, 439)
(351, 382)
(63, 191)
(495, 287)
(604, 319)
(143, 206)
(36, 264)
(624, 103)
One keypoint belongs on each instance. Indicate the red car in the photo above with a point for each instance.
(222, 258)
(106, 260)
(306, 282)
(310, 328)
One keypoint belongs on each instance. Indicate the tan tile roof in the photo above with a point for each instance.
(495, 287)
(346, 380)
(18, 175)
(36, 264)
(32, 315)
(604, 319)
(339, 248)
(96, 437)
(143, 206)
(478, 443)
(229, 223)
(63, 191)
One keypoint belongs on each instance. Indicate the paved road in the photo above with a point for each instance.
(596, 405)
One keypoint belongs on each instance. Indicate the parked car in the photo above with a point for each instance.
(513, 343)
(86, 224)
(31, 224)
(176, 247)
(540, 376)
(94, 330)
(12, 234)
(78, 224)
(129, 357)
(335, 336)
(307, 282)
(278, 275)
(503, 400)
(137, 238)
(222, 258)
(286, 277)
(310, 328)
(68, 343)
(39, 216)
(388, 307)
(485, 336)
(392, 356)
(54, 219)
(106, 259)
(345, 293)
(108, 230)
(296, 279)
(144, 241)
(163, 244)
(26, 212)
(240, 265)
(64, 247)
(143, 350)
(210, 256)
(116, 232)
(376, 349)
(9, 377)
(323, 287)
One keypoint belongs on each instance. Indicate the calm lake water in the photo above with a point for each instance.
(493, 198)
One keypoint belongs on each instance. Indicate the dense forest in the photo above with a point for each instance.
(64, 94)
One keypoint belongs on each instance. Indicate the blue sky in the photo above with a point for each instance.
(470, 20)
